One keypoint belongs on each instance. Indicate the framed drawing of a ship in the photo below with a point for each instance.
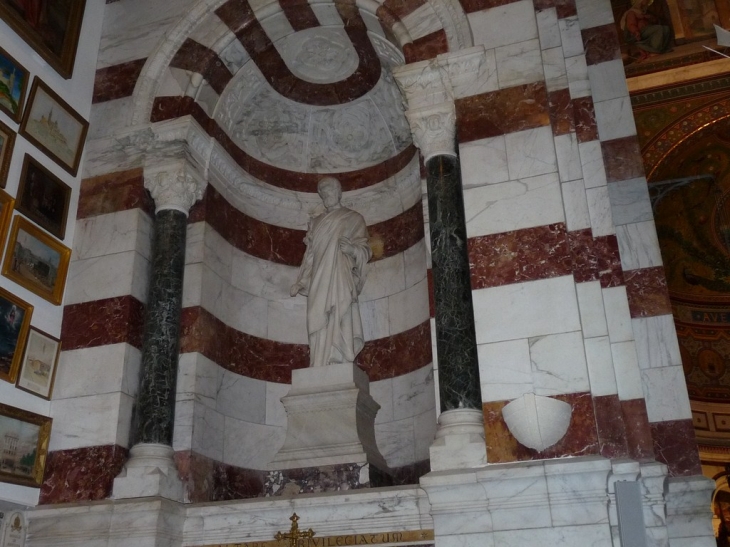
(51, 27)
(54, 127)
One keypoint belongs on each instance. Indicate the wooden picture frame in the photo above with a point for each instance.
(54, 127)
(7, 203)
(24, 440)
(43, 197)
(50, 27)
(36, 261)
(40, 361)
(12, 75)
(15, 317)
(7, 143)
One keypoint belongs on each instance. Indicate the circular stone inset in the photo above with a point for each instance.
(320, 55)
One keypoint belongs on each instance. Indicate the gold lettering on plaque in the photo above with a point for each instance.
(351, 540)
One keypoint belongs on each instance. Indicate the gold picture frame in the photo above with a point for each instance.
(12, 75)
(54, 127)
(7, 143)
(15, 315)
(36, 261)
(43, 197)
(55, 38)
(24, 438)
(40, 361)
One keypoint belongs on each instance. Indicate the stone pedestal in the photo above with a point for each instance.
(459, 442)
(330, 419)
(150, 472)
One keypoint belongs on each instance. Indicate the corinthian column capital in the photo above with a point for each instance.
(176, 185)
(434, 129)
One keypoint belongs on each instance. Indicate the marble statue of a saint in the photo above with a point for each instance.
(331, 276)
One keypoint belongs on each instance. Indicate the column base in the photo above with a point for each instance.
(459, 442)
(149, 472)
(330, 419)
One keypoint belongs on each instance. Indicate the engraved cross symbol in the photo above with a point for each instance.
(295, 536)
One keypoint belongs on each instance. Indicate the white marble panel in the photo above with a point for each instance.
(382, 392)
(384, 278)
(531, 152)
(327, 14)
(425, 425)
(594, 13)
(578, 82)
(577, 216)
(570, 36)
(638, 245)
(209, 31)
(504, 25)
(485, 81)
(91, 421)
(628, 374)
(665, 390)
(195, 243)
(288, 321)
(599, 210)
(396, 442)
(182, 432)
(415, 263)
(413, 393)
(198, 379)
(108, 117)
(193, 285)
(513, 205)
(275, 411)
(208, 432)
(218, 253)
(558, 364)
(535, 308)
(251, 446)
(592, 312)
(241, 397)
(97, 370)
(482, 539)
(591, 160)
(595, 535)
(566, 148)
(107, 276)
(547, 28)
(608, 80)
(600, 366)
(483, 161)
(615, 118)
(277, 26)
(207, 98)
(234, 56)
(519, 63)
(556, 75)
(582, 494)
(618, 316)
(422, 21)
(261, 277)
(112, 233)
(630, 201)
(656, 341)
(243, 312)
(505, 371)
(375, 318)
(409, 308)
(371, 22)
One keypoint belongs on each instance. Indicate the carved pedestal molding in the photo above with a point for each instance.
(150, 471)
(459, 442)
(176, 185)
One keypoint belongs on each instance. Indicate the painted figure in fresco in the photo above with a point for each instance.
(643, 29)
(331, 276)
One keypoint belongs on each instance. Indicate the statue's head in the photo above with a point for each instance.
(330, 191)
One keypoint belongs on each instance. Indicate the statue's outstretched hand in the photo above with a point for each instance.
(295, 289)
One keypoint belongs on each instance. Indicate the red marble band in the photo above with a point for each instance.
(638, 432)
(299, 13)
(610, 427)
(564, 8)
(168, 108)
(543, 252)
(470, 6)
(426, 47)
(239, 16)
(622, 159)
(116, 82)
(676, 446)
(601, 44)
(114, 192)
(196, 57)
(573, 115)
(272, 361)
(647, 291)
(103, 322)
(500, 112)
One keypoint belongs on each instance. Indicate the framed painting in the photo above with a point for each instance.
(51, 27)
(6, 212)
(36, 261)
(7, 142)
(24, 440)
(13, 85)
(43, 197)
(14, 324)
(54, 127)
(38, 367)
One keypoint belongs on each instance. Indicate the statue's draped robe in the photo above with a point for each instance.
(332, 281)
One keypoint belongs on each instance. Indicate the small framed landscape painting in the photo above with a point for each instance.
(54, 127)
(51, 27)
(36, 261)
(43, 197)
(7, 142)
(24, 440)
(13, 85)
(14, 324)
(38, 368)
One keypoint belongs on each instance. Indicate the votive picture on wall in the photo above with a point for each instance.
(14, 324)
(13, 85)
(24, 440)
